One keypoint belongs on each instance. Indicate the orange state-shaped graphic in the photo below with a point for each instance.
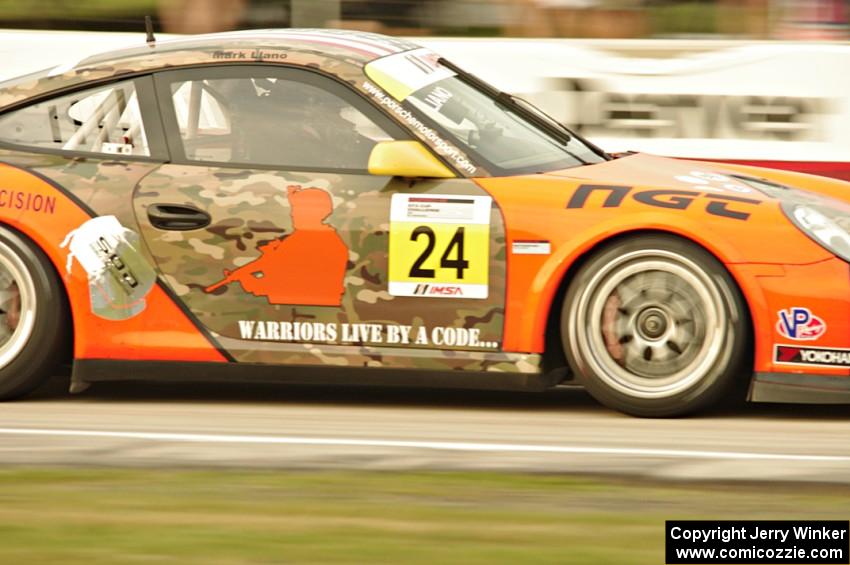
(306, 267)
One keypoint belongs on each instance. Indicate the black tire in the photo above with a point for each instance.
(654, 326)
(30, 351)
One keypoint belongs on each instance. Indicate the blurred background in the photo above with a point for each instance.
(758, 82)
(753, 19)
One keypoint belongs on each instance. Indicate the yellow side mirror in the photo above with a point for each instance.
(406, 159)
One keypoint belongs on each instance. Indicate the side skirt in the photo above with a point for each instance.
(799, 388)
(86, 371)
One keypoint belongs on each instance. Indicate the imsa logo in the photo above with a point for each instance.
(438, 290)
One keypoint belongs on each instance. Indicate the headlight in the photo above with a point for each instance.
(825, 226)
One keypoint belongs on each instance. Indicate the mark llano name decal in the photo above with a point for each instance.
(260, 54)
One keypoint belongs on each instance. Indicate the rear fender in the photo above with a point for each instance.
(47, 213)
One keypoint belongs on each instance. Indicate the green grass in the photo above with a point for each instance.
(90, 516)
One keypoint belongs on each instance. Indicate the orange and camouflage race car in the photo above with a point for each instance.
(246, 205)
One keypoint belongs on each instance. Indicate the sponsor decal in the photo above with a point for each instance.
(116, 148)
(26, 201)
(444, 148)
(811, 356)
(715, 182)
(800, 324)
(529, 247)
(287, 272)
(404, 73)
(439, 245)
(438, 97)
(438, 290)
(362, 334)
(119, 276)
(715, 204)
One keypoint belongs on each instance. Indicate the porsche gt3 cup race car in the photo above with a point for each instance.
(247, 205)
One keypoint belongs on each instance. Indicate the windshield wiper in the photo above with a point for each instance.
(512, 103)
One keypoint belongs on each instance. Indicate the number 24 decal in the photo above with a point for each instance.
(456, 245)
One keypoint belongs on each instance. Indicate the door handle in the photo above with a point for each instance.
(177, 217)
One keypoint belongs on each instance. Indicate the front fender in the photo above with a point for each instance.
(543, 208)
(46, 213)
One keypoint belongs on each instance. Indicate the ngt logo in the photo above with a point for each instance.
(714, 204)
(438, 290)
(800, 324)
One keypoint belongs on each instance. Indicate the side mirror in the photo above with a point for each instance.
(406, 159)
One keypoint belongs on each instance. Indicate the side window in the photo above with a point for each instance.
(270, 120)
(100, 120)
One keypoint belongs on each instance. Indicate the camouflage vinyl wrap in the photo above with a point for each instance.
(249, 209)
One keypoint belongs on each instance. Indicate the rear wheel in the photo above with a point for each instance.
(33, 324)
(654, 326)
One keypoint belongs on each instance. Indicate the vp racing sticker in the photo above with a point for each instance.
(119, 276)
(439, 245)
(800, 324)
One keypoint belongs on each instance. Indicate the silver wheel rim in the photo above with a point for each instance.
(652, 324)
(17, 305)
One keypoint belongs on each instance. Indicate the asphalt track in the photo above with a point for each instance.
(296, 427)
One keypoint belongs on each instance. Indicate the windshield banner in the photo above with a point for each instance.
(404, 73)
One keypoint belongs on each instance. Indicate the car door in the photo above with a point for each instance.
(268, 227)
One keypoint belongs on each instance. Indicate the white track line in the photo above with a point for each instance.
(430, 445)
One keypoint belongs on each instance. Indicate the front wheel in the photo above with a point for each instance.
(654, 326)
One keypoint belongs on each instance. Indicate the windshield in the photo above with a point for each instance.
(494, 130)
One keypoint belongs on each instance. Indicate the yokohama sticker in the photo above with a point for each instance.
(811, 356)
